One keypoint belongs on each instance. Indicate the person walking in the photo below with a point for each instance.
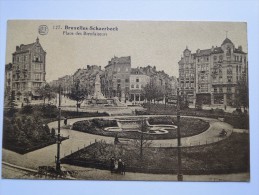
(65, 121)
(112, 164)
(123, 168)
(120, 166)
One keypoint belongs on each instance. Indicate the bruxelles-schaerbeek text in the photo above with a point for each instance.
(81, 30)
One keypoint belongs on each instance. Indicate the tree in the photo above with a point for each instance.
(141, 142)
(242, 98)
(77, 93)
(11, 105)
(151, 92)
(46, 92)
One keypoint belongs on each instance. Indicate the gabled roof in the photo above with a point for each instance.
(227, 40)
(24, 48)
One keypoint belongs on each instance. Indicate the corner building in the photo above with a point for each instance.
(116, 78)
(211, 75)
(28, 70)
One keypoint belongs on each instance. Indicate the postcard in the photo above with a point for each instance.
(126, 100)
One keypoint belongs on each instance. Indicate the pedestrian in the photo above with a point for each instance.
(116, 166)
(65, 121)
(123, 168)
(120, 166)
(112, 164)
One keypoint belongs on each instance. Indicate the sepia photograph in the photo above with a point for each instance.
(126, 101)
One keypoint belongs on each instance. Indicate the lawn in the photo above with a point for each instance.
(228, 156)
(189, 127)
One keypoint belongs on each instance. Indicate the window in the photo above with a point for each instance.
(229, 79)
(220, 90)
(126, 80)
(37, 66)
(137, 80)
(215, 90)
(192, 85)
(215, 58)
(220, 58)
(132, 86)
(137, 86)
(37, 77)
(118, 80)
(229, 71)
(228, 89)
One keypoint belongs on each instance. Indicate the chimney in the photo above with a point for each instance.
(17, 48)
(240, 48)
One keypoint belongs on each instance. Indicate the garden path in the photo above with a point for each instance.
(78, 140)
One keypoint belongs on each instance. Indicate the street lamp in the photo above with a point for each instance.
(179, 149)
(58, 169)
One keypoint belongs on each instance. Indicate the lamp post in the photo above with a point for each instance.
(58, 137)
(179, 149)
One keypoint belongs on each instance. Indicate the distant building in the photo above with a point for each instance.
(116, 79)
(211, 75)
(138, 80)
(28, 71)
(86, 76)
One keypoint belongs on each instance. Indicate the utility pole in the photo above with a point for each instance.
(58, 137)
(179, 149)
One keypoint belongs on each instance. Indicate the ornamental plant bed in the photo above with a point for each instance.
(189, 127)
(25, 148)
(228, 156)
(27, 129)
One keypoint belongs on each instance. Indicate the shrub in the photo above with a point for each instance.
(27, 109)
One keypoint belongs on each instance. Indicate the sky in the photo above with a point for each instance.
(154, 43)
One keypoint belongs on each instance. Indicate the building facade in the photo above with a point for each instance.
(28, 71)
(8, 79)
(116, 78)
(138, 80)
(211, 75)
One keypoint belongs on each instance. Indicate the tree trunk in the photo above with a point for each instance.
(77, 106)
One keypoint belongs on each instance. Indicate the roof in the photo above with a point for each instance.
(204, 52)
(136, 71)
(120, 60)
(227, 40)
(239, 51)
(24, 48)
(217, 50)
